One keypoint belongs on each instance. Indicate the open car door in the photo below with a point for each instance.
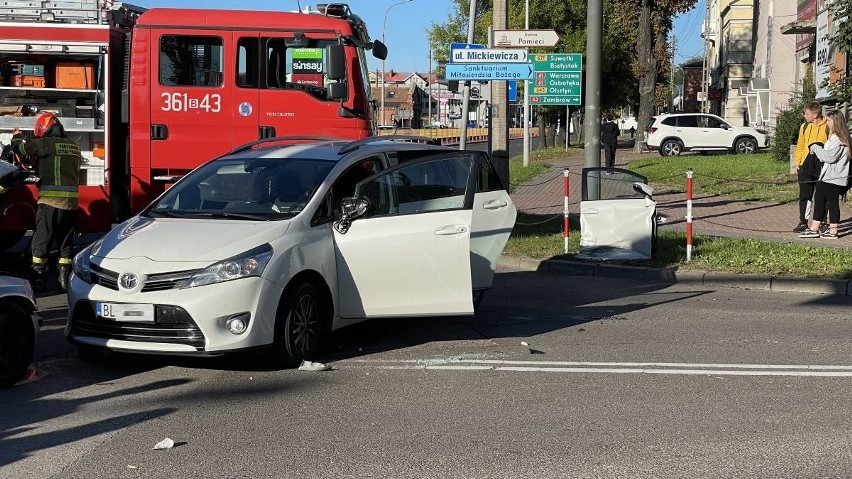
(494, 217)
(409, 255)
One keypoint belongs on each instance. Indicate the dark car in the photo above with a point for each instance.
(19, 326)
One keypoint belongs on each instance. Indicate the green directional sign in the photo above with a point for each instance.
(558, 79)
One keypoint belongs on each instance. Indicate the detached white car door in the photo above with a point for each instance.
(410, 255)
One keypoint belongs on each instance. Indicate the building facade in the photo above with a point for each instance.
(728, 32)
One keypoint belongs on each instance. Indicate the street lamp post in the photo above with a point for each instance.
(384, 23)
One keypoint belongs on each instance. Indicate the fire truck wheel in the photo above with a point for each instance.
(299, 326)
(9, 239)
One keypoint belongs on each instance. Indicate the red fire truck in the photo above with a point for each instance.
(151, 94)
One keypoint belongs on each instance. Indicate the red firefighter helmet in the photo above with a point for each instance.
(43, 124)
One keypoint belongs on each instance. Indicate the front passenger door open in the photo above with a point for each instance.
(410, 256)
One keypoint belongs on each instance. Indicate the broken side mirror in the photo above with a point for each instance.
(350, 210)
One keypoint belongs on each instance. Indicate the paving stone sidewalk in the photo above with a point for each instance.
(712, 214)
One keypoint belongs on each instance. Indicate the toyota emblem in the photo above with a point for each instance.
(128, 281)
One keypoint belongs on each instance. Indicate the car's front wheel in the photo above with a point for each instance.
(671, 148)
(17, 343)
(298, 326)
(745, 146)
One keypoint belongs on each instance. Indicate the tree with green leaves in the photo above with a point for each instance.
(842, 39)
(568, 19)
(648, 25)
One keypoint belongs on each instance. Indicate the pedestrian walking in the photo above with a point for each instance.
(609, 140)
(632, 131)
(57, 163)
(833, 177)
(813, 130)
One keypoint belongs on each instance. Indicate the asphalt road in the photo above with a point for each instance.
(619, 379)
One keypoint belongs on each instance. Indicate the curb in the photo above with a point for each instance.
(716, 279)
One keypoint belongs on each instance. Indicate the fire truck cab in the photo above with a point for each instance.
(151, 94)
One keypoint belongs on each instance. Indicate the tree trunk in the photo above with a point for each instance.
(542, 130)
(648, 64)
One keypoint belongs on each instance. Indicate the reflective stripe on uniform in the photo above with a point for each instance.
(37, 260)
(58, 188)
(59, 194)
(64, 261)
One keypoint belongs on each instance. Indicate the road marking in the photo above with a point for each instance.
(710, 369)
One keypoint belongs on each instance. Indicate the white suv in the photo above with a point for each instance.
(671, 135)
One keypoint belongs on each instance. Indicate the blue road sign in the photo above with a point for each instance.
(489, 71)
(461, 46)
(512, 85)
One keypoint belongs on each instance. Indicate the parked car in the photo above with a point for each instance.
(278, 242)
(674, 134)
(19, 327)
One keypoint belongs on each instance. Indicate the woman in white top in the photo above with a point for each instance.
(834, 175)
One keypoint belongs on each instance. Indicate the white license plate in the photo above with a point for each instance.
(137, 313)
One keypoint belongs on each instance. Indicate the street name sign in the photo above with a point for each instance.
(488, 71)
(463, 46)
(525, 38)
(488, 55)
(558, 79)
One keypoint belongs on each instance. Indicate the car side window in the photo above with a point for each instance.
(713, 122)
(418, 187)
(486, 177)
(671, 121)
(687, 121)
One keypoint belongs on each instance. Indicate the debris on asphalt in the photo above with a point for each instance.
(164, 444)
(532, 351)
(313, 366)
(131, 467)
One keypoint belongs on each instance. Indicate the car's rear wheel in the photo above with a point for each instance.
(17, 339)
(745, 146)
(671, 148)
(299, 326)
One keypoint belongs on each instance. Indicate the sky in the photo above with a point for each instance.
(405, 30)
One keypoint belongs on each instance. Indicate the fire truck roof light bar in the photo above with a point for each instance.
(340, 10)
(354, 145)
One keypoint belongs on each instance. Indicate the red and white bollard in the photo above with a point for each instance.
(566, 230)
(688, 216)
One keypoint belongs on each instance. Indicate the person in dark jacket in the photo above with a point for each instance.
(609, 140)
(58, 162)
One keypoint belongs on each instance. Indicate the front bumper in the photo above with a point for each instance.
(186, 321)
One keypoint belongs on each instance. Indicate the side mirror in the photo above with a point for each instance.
(380, 50)
(351, 209)
(336, 91)
(644, 189)
(336, 58)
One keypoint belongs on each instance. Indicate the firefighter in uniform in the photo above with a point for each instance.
(58, 165)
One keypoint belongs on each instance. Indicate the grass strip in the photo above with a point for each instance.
(540, 237)
(754, 177)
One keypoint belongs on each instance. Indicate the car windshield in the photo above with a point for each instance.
(259, 189)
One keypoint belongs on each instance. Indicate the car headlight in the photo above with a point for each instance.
(250, 263)
(82, 263)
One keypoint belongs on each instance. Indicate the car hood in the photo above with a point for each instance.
(10, 286)
(186, 240)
